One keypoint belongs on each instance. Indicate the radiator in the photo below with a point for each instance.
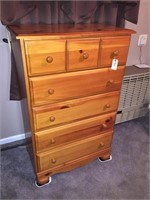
(134, 97)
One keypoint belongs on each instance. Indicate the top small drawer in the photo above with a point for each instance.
(45, 56)
(113, 48)
(82, 54)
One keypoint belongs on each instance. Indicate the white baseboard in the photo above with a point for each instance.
(15, 138)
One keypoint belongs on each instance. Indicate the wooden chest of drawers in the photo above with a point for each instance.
(72, 91)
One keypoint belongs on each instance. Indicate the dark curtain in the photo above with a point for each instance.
(60, 12)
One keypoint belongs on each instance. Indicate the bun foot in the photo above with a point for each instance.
(43, 181)
(105, 158)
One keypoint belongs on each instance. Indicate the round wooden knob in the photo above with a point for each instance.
(52, 141)
(53, 161)
(85, 55)
(110, 83)
(107, 105)
(115, 53)
(49, 59)
(51, 91)
(109, 120)
(52, 118)
(101, 145)
(104, 126)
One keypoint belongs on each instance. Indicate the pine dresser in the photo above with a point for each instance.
(73, 76)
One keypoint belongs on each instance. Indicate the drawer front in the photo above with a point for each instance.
(74, 110)
(45, 56)
(82, 54)
(55, 137)
(114, 48)
(73, 151)
(56, 88)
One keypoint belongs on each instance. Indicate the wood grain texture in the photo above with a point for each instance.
(61, 135)
(73, 110)
(72, 164)
(72, 91)
(74, 85)
(73, 151)
(113, 48)
(59, 31)
(45, 56)
(80, 54)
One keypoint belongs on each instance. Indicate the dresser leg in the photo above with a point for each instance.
(40, 182)
(105, 158)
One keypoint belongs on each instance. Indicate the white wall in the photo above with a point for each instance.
(11, 120)
(143, 27)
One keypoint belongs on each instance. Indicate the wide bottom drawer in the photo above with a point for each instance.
(73, 151)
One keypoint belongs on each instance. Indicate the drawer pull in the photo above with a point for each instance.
(52, 118)
(64, 107)
(49, 59)
(52, 141)
(101, 145)
(110, 83)
(104, 126)
(106, 106)
(51, 91)
(85, 55)
(53, 161)
(110, 120)
(115, 53)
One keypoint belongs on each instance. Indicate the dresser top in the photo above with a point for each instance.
(73, 30)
